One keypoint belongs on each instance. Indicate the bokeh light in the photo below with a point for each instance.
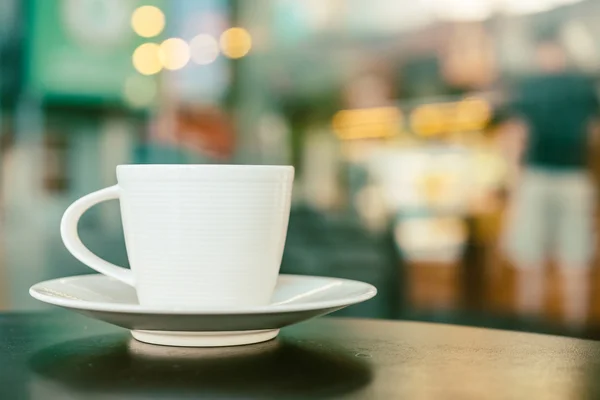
(367, 123)
(174, 53)
(204, 49)
(148, 21)
(527, 7)
(139, 91)
(427, 120)
(461, 10)
(146, 59)
(235, 42)
(469, 114)
(473, 113)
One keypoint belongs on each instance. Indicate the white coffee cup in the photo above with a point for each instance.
(197, 236)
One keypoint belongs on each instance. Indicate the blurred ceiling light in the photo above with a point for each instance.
(460, 10)
(139, 91)
(174, 53)
(146, 59)
(479, 10)
(235, 42)
(523, 7)
(204, 49)
(566, 2)
(148, 21)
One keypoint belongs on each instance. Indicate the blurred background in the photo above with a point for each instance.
(444, 149)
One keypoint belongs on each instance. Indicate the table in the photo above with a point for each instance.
(62, 355)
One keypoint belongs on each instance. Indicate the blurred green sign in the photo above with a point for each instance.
(81, 48)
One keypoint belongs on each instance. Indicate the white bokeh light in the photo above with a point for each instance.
(204, 49)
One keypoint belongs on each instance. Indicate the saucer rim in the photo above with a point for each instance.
(369, 292)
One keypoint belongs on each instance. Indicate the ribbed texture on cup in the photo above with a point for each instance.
(206, 242)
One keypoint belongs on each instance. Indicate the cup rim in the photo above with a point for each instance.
(205, 166)
(203, 172)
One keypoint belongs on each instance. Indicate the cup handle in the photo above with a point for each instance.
(70, 237)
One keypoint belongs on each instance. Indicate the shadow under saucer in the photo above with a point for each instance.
(112, 365)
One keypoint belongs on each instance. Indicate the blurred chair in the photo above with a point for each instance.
(327, 245)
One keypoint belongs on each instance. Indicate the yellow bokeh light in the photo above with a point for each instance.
(146, 59)
(428, 120)
(148, 21)
(473, 113)
(174, 53)
(204, 49)
(433, 186)
(140, 91)
(470, 114)
(235, 42)
(367, 123)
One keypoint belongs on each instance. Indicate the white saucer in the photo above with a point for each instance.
(296, 298)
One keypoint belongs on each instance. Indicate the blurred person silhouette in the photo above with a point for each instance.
(185, 134)
(553, 124)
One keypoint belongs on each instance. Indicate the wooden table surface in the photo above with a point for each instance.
(60, 355)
